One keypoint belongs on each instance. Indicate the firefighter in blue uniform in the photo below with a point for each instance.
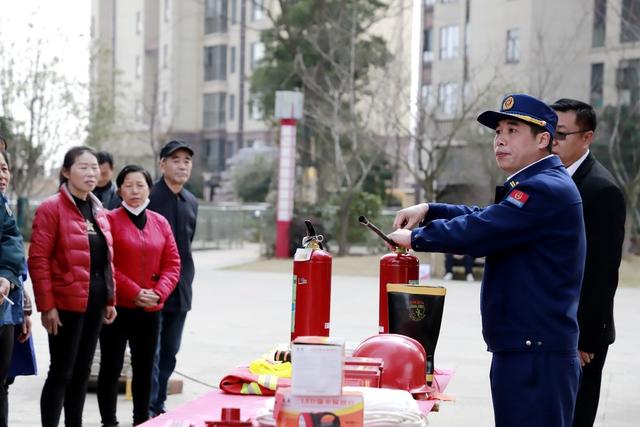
(534, 242)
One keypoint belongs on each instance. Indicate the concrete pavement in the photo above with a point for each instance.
(239, 315)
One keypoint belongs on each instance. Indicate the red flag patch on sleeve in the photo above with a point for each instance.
(518, 198)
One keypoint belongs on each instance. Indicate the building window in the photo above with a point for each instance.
(428, 3)
(426, 94)
(628, 81)
(427, 48)
(215, 151)
(630, 21)
(257, 9)
(165, 12)
(448, 97)
(215, 62)
(164, 103)
(215, 16)
(138, 67)
(449, 42)
(230, 151)
(232, 108)
(255, 112)
(232, 60)
(234, 12)
(513, 46)
(214, 110)
(138, 22)
(599, 23)
(165, 56)
(257, 53)
(597, 83)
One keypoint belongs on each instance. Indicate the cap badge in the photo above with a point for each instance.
(508, 103)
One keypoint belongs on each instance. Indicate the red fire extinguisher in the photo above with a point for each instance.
(397, 267)
(311, 294)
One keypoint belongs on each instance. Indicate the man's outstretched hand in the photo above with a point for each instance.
(410, 217)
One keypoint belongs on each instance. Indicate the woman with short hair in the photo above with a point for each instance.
(147, 267)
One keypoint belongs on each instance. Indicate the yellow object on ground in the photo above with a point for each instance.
(279, 369)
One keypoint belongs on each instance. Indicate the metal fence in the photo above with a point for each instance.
(229, 226)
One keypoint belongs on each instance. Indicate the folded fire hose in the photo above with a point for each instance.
(382, 407)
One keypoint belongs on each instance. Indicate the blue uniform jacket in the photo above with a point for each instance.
(11, 263)
(534, 243)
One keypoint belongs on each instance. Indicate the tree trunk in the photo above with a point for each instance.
(343, 223)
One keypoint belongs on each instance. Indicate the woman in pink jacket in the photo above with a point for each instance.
(147, 266)
(70, 264)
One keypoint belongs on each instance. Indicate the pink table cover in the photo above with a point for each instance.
(207, 407)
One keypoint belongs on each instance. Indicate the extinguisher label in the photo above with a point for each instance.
(303, 254)
(327, 325)
(293, 303)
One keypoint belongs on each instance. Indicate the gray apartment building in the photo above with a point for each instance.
(583, 49)
(180, 68)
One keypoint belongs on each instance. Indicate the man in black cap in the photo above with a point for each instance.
(534, 242)
(170, 199)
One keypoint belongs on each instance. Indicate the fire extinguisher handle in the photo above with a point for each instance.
(312, 232)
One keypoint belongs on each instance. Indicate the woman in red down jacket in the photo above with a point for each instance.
(147, 267)
(70, 264)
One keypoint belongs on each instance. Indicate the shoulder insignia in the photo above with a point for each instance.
(518, 198)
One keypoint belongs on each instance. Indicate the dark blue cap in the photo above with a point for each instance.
(524, 108)
(173, 146)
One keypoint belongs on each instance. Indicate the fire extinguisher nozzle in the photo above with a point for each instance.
(364, 221)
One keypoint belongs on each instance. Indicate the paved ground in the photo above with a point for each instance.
(238, 315)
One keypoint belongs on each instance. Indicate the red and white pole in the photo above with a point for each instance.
(286, 185)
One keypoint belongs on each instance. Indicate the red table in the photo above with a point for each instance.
(207, 407)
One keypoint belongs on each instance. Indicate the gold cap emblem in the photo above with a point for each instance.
(508, 103)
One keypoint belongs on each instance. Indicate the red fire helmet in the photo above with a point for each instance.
(405, 361)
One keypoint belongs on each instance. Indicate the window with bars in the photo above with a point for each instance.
(215, 16)
(628, 81)
(214, 110)
(599, 23)
(630, 21)
(448, 97)
(449, 41)
(215, 62)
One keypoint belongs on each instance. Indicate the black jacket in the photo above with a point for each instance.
(604, 215)
(181, 210)
(108, 196)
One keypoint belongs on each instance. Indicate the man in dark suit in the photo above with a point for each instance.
(604, 215)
